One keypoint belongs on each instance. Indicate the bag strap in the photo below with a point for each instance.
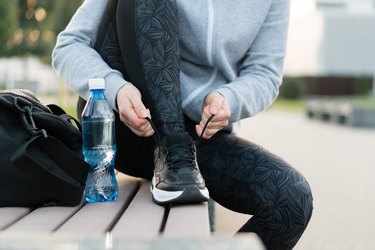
(52, 166)
(48, 163)
(57, 110)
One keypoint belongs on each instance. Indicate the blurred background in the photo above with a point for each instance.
(322, 122)
(28, 31)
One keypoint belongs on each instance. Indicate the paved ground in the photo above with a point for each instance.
(339, 163)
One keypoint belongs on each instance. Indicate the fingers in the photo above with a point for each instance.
(140, 126)
(139, 107)
(133, 112)
(215, 125)
(215, 104)
(144, 131)
(222, 118)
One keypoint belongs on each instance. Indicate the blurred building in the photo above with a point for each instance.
(332, 39)
(28, 73)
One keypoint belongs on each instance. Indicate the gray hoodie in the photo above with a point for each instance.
(235, 47)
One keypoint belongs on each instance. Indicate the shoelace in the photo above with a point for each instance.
(180, 155)
(199, 140)
(177, 150)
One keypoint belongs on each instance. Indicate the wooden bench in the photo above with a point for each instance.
(133, 216)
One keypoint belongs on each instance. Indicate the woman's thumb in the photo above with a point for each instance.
(140, 108)
(215, 104)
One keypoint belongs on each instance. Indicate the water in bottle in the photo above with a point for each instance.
(99, 145)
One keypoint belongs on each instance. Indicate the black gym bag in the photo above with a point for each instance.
(41, 159)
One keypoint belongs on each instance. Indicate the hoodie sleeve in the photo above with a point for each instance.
(75, 59)
(260, 73)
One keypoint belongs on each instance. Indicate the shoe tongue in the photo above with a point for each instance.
(178, 138)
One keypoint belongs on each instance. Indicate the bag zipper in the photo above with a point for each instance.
(31, 99)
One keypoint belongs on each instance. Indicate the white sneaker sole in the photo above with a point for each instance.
(190, 194)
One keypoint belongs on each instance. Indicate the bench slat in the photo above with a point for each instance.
(188, 221)
(98, 217)
(142, 207)
(9, 215)
(44, 219)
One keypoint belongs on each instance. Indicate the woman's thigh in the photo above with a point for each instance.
(246, 178)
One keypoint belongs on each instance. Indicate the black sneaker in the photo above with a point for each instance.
(177, 178)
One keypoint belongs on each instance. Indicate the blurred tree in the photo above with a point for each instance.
(32, 30)
(8, 24)
(62, 13)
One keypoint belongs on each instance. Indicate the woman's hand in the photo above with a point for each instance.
(214, 104)
(132, 111)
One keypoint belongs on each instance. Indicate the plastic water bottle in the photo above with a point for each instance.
(99, 145)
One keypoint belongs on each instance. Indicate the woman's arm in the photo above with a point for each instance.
(260, 73)
(74, 57)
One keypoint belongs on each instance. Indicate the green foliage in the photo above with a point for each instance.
(292, 88)
(289, 105)
(32, 30)
(363, 85)
(62, 13)
(8, 24)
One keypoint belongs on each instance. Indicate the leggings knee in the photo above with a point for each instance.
(300, 200)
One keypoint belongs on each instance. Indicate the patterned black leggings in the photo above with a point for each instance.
(240, 175)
